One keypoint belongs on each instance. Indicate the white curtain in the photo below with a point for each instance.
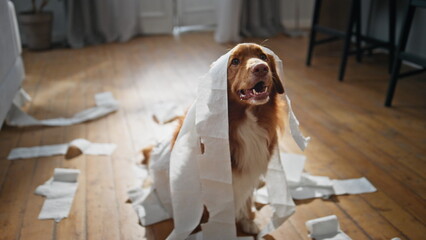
(228, 21)
(249, 18)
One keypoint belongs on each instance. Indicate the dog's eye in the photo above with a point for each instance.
(235, 61)
(263, 57)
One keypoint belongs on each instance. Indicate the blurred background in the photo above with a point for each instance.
(79, 23)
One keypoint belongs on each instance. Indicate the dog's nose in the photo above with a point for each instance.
(260, 69)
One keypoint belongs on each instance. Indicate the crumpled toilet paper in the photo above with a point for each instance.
(105, 104)
(186, 180)
(326, 228)
(59, 192)
(83, 145)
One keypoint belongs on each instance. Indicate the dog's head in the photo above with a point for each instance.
(252, 75)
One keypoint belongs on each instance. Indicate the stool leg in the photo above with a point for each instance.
(349, 30)
(405, 31)
(392, 82)
(313, 34)
(392, 25)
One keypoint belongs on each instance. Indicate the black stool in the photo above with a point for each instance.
(353, 20)
(402, 55)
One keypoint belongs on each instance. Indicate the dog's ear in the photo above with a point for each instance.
(275, 78)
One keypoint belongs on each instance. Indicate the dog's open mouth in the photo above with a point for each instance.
(258, 92)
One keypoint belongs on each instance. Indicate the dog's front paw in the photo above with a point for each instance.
(249, 226)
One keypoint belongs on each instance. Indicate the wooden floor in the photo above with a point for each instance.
(353, 135)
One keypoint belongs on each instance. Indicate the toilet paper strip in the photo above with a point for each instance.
(85, 146)
(105, 104)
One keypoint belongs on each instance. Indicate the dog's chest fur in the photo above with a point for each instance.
(252, 155)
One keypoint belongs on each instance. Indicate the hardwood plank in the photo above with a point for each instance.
(74, 227)
(101, 202)
(123, 158)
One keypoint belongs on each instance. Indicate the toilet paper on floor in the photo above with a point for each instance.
(21, 98)
(326, 228)
(59, 192)
(165, 112)
(105, 104)
(85, 146)
(305, 186)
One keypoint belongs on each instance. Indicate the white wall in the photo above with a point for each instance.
(378, 26)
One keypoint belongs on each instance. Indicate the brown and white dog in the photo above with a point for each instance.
(255, 116)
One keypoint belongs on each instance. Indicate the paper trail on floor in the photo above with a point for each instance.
(59, 192)
(105, 104)
(305, 186)
(85, 146)
(326, 228)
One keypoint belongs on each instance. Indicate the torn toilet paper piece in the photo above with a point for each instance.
(105, 104)
(165, 112)
(21, 98)
(59, 192)
(305, 186)
(293, 165)
(83, 145)
(326, 228)
(301, 141)
(353, 186)
(145, 203)
(324, 187)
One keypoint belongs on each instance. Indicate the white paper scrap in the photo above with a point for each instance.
(353, 186)
(59, 192)
(85, 146)
(293, 165)
(326, 228)
(167, 111)
(21, 98)
(298, 137)
(105, 104)
(147, 206)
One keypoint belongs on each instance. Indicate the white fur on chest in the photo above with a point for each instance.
(254, 141)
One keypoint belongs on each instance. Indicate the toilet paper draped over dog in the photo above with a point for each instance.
(200, 164)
